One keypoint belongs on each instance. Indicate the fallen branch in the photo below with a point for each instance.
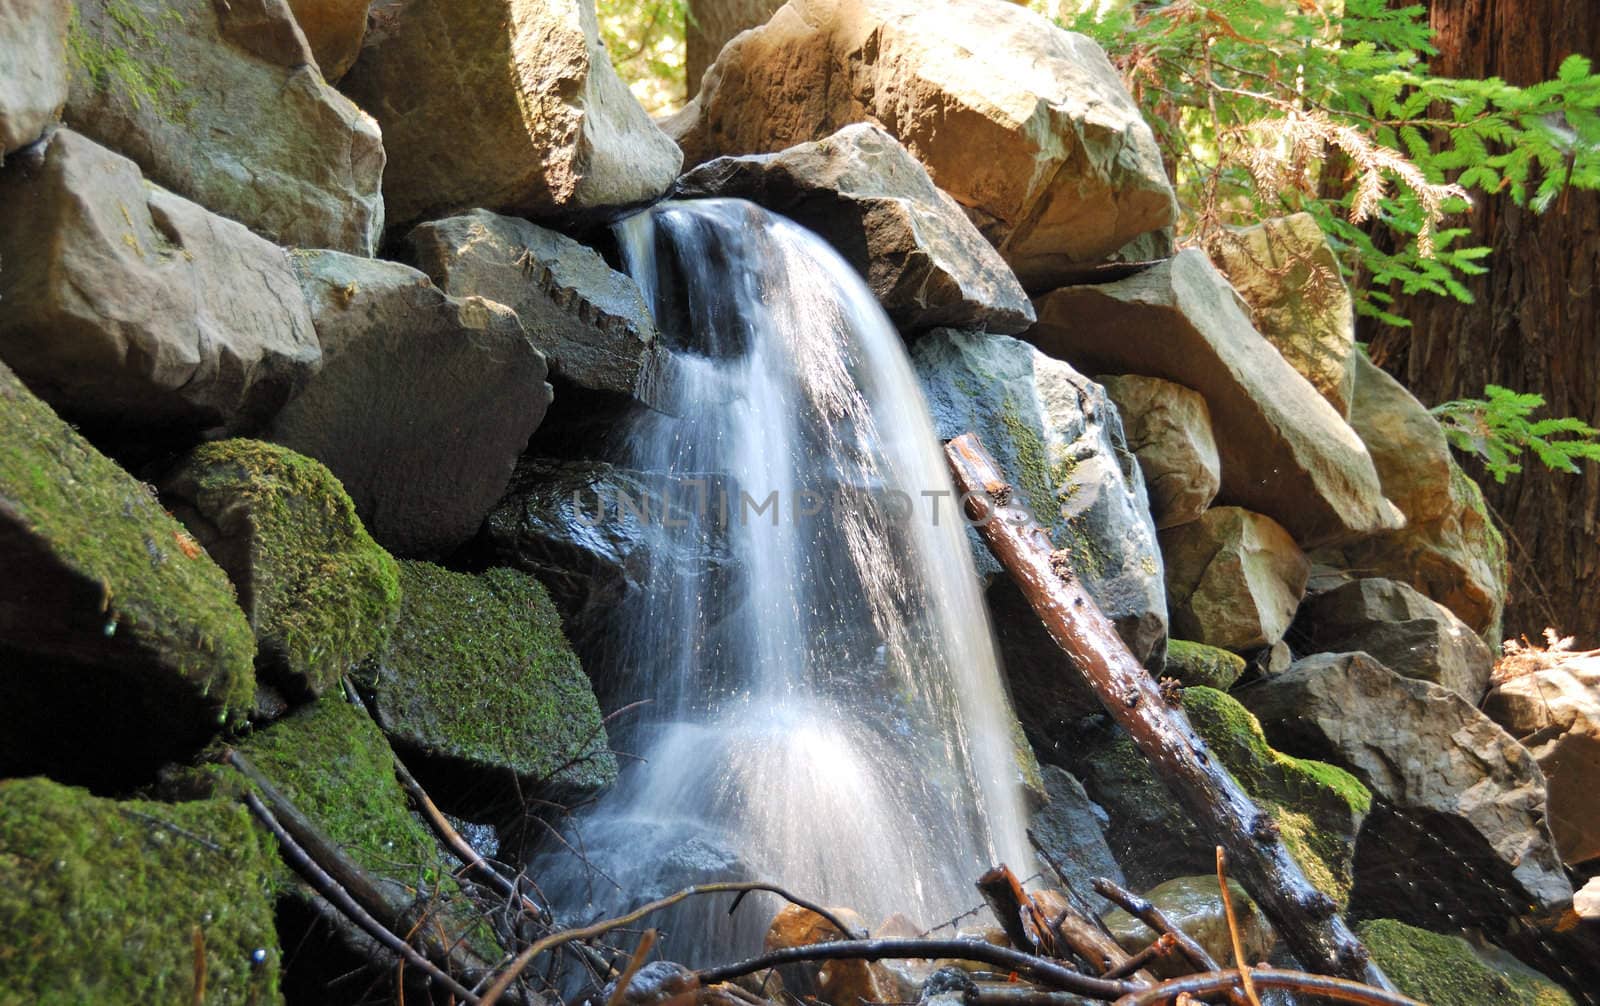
(1081, 931)
(1164, 945)
(1014, 910)
(1340, 989)
(1307, 919)
(1158, 922)
(1233, 929)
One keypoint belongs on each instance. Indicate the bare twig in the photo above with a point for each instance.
(1157, 920)
(1276, 978)
(1233, 929)
(619, 992)
(1165, 944)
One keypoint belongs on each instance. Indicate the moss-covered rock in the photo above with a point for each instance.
(1199, 664)
(320, 594)
(478, 676)
(104, 901)
(121, 645)
(1447, 971)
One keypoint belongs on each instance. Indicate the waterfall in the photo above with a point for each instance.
(826, 707)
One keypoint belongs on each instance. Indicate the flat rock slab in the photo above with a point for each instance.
(423, 403)
(33, 49)
(1285, 452)
(1026, 125)
(128, 305)
(223, 103)
(869, 198)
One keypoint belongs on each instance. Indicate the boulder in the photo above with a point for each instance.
(837, 983)
(1285, 452)
(334, 30)
(506, 104)
(479, 681)
(869, 198)
(1465, 803)
(1234, 579)
(1445, 970)
(121, 646)
(1026, 125)
(319, 592)
(1449, 549)
(590, 321)
(423, 403)
(224, 104)
(1169, 430)
(1191, 663)
(1556, 715)
(33, 49)
(1286, 272)
(1194, 904)
(108, 901)
(1399, 628)
(1069, 829)
(1586, 902)
(129, 306)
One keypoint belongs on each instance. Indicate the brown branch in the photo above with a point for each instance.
(1273, 978)
(1004, 895)
(1164, 945)
(1233, 929)
(1306, 918)
(1157, 920)
(1078, 929)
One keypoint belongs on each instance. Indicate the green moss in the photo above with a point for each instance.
(321, 594)
(1199, 664)
(1045, 484)
(1445, 971)
(114, 902)
(145, 591)
(122, 51)
(1316, 806)
(479, 671)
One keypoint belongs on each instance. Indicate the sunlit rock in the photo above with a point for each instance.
(1169, 430)
(1234, 579)
(33, 49)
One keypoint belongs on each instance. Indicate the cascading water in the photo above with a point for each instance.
(825, 700)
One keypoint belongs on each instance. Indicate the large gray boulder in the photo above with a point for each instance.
(1026, 125)
(1555, 713)
(1069, 829)
(1169, 429)
(423, 403)
(506, 104)
(1285, 451)
(224, 104)
(1234, 579)
(33, 49)
(590, 321)
(1401, 629)
(1058, 439)
(868, 197)
(127, 304)
(1465, 802)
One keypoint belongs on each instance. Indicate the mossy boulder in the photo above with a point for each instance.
(1448, 971)
(107, 901)
(320, 594)
(1199, 664)
(479, 680)
(121, 644)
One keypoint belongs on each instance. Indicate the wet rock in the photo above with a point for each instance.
(1285, 451)
(223, 104)
(1234, 579)
(1556, 715)
(319, 592)
(1286, 272)
(1070, 829)
(423, 402)
(1401, 629)
(1059, 440)
(479, 680)
(1449, 549)
(1195, 905)
(33, 49)
(1026, 125)
(869, 198)
(838, 983)
(1465, 802)
(510, 105)
(590, 321)
(1198, 664)
(1169, 430)
(334, 30)
(122, 644)
(107, 897)
(655, 982)
(1446, 970)
(128, 305)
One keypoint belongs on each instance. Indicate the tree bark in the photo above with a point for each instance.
(1535, 326)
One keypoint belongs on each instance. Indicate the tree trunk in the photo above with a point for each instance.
(1535, 325)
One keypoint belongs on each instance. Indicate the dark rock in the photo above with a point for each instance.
(1069, 830)
(869, 198)
(423, 402)
(33, 49)
(319, 592)
(1401, 629)
(1234, 579)
(120, 639)
(127, 305)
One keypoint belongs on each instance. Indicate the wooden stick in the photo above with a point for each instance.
(1158, 922)
(1272, 978)
(1164, 944)
(1012, 908)
(1307, 919)
(1233, 929)
(1080, 930)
